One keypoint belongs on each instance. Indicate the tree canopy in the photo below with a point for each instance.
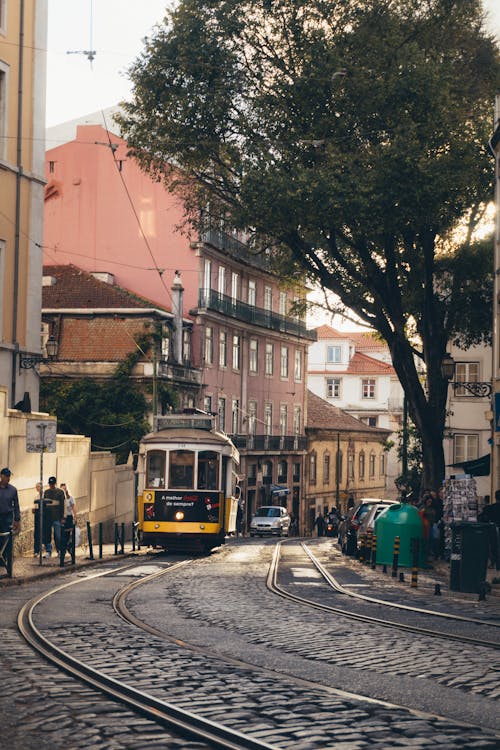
(350, 139)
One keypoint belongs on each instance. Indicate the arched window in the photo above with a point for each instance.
(326, 468)
(372, 465)
(361, 465)
(312, 468)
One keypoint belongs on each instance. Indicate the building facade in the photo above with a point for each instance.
(468, 432)
(104, 215)
(346, 458)
(96, 325)
(353, 371)
(23, 33)
(495, 454)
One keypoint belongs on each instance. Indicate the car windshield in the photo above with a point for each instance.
(268, 512)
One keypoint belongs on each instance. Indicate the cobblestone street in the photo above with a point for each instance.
(286, 674)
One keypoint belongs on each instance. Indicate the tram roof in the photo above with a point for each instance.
(195, 437)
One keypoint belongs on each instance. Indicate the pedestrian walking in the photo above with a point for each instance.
(69, 522)
(320, 524)
(239, 519)
(55, 510)
(10, 514)
(47, 524)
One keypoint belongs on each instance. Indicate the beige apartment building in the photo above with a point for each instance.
(23, 32)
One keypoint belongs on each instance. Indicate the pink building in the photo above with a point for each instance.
(104, 215)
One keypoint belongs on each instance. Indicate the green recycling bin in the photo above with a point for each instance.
(400, 520)
(469, 556)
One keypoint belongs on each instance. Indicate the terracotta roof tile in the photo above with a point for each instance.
(362, 364)
(324, 416)
(75, 288)
(100, 339)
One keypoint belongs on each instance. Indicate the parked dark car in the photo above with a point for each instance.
(349, 527)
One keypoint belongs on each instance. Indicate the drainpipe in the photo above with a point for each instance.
(15, 284)
(177, 292)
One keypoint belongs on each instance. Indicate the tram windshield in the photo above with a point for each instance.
(181, 471)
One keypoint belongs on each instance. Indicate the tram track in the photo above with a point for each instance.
(179, 720)
(276, 588)
(337, 586)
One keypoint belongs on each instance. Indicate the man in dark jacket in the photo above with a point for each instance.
(56, 511)
(10, 514)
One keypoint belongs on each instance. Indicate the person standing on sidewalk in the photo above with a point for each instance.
(55, 510)
(69, 521)
(47, 524)
(10, 514)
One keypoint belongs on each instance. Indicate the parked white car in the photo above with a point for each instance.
(270, 520)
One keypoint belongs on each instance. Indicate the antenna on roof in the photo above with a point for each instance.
(89, 53)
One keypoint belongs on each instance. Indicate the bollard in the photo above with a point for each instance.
(100, 540)
(401, 578)
(133, 536)
(415, 547)
(482, 592)
(368, 552)
(362, 548)
(89, 539)
(384, 569)
(73, 546)
(396, 557)
(374, 552)
(437, 589)
(122, 539)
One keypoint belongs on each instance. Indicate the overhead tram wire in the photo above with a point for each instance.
(112, 147)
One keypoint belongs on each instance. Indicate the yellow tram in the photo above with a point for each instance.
(187, 483)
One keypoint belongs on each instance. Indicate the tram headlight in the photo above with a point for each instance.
(148, 496)
(179, 516)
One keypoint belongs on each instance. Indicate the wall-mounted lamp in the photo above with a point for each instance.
(30, 361)
(476, 388)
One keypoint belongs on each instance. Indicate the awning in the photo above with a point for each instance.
(480, 467)
(279, 490)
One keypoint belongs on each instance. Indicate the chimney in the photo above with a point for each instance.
(177, 292)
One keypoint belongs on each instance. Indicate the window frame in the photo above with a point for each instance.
(333, 354)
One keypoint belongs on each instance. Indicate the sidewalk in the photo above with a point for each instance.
(27, 568)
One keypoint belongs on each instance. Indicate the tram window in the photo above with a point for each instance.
(181, 474)
(208, 470)
(155, 468)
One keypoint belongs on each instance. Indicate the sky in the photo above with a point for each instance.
(115, 30)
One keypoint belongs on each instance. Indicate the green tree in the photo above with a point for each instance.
(113, 413)
(350, 138)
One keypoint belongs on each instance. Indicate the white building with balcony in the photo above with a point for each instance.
(353, 371)
(468, 431)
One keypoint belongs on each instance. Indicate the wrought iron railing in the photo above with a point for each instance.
(180, 372)
(234, 247)
(209, 299)
(270, 442)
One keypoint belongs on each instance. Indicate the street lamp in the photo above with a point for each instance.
(30, 361)
(476, 388)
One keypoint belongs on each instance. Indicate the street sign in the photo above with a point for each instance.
(41, 435)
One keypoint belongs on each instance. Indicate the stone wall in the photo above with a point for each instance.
(104, 492)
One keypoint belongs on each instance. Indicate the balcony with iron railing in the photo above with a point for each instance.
(179, 373)
(235, 248)
(274, 443)
(209, 299)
